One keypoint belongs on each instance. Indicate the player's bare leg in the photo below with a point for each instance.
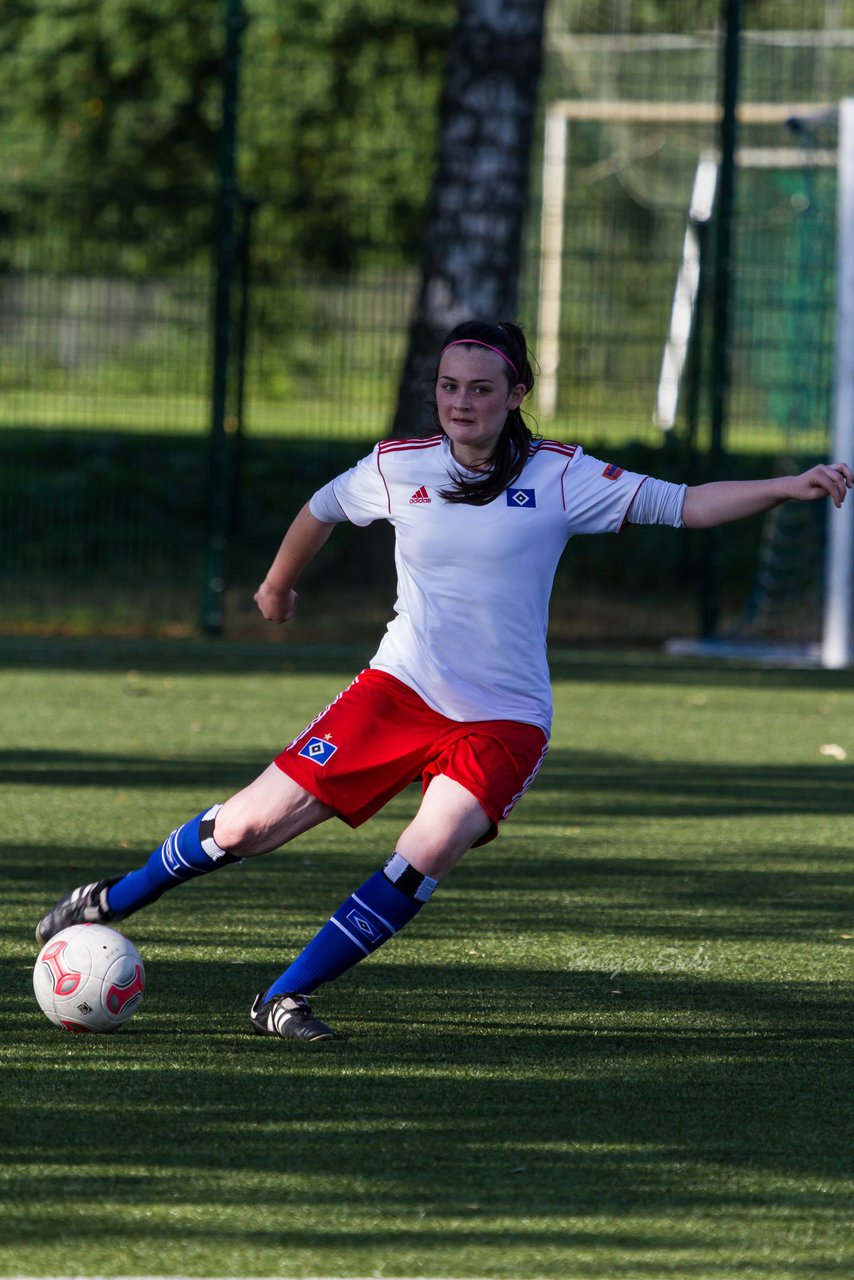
(449, 821)
(267, 813)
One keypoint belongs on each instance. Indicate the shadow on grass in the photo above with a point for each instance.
(600, 784)
(506, 1096)
(464, 1091)
(283, 654)
(571, 901)
(55, 768)
(572, 784)
(513, 887)
(193, 656)
(510, 1092)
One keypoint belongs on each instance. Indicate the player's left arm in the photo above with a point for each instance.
(721, 501)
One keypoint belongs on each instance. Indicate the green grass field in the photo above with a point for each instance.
(365, 414)
(615, 1045)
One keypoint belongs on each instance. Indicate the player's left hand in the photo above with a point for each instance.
(826, 480)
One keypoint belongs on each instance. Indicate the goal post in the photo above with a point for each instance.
(839, 567)
(685, 294)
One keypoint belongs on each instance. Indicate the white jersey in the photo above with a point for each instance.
(469, 631)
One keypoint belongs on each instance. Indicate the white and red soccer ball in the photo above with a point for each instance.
(89, 978)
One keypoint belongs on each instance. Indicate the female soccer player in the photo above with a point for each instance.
(458, 693)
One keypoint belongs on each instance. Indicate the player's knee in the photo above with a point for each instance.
(432, 857)
(238, 833)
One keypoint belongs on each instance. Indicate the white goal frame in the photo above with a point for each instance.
(836, 644)
(559, 116)
(839, 563)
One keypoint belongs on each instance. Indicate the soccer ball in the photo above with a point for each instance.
(89, 978)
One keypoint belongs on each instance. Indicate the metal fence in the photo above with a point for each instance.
(126, 490)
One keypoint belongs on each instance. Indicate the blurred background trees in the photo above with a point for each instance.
(337, 110)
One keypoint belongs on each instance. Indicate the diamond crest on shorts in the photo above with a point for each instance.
(318, 750)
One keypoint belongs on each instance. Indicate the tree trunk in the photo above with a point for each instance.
(472, 242)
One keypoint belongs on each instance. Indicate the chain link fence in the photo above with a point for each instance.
(108, 300)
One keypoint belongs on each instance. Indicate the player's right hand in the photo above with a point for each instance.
(276, 606)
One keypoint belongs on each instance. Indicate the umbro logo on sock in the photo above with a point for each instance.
(364, 927)
(420, 495)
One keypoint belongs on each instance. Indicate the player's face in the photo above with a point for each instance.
(473, 399)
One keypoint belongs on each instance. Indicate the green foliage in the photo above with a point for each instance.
(338, 122)
(122, 101)
(124, 93)
(110, 115)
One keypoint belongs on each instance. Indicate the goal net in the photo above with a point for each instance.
(785, 309)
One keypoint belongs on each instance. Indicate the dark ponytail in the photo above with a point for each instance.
(511, 451)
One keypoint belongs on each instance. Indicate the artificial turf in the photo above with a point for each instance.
(616, 1044)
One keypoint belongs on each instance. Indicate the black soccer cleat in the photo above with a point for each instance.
(289, 1017)
(86, 905)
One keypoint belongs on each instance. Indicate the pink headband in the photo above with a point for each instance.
(476, 342)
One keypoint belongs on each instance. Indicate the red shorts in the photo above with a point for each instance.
(378, 736)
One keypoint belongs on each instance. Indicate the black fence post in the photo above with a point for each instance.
(248, 207)
(721, 304)
(224, 424)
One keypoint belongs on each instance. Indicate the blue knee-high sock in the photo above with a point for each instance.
(188, 852)
(367, 919)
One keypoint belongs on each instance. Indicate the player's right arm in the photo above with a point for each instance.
(276, 597)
